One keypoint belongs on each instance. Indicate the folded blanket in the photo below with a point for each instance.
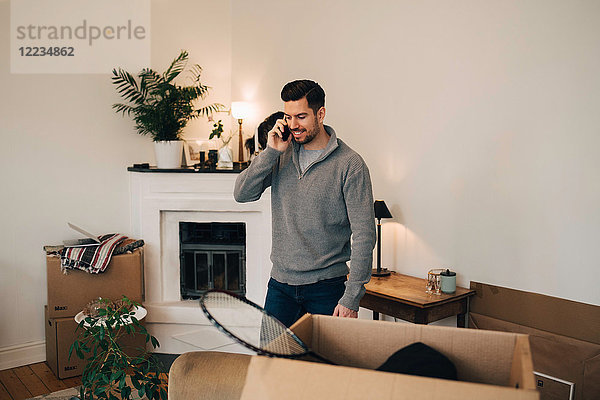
(126, 246)
(92, 259)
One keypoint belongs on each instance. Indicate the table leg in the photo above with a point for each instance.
(460, 320)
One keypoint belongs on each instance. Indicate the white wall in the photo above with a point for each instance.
(478, 119)
(64, 155)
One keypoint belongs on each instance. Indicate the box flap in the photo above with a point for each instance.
(273, 378)
(520, 372)
(303, 329)
(551, 314)
(479, 356)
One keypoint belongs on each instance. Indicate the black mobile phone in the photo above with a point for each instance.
(286, 133)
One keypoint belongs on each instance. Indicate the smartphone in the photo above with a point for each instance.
(286, 133)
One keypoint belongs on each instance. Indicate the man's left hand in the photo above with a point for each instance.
(344, 312)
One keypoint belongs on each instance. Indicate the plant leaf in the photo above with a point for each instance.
(176, 67)
(160, 107)
(75, 345)
(136, 382)
(126, 83)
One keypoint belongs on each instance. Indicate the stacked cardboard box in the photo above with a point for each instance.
(69, 294)
(564, 336)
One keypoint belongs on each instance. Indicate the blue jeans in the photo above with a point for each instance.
(288, 303)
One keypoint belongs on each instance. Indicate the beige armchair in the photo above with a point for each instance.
(208, 375)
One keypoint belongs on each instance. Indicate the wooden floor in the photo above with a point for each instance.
(30, 381)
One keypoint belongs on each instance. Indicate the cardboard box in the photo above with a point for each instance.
(490, 365)
(564, 337)
(60, 335)
(551, 314)
(68, 294)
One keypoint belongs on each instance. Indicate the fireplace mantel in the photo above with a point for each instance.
(158, 203)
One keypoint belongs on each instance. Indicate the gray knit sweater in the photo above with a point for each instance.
(315, 213)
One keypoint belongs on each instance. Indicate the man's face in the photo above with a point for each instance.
(301, 120)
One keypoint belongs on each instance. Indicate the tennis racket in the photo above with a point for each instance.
(253, 327)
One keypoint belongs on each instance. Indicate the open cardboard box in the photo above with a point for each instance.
(69, 293)
(490, 365)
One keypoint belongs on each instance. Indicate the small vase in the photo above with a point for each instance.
(225, 158)
(168, 154)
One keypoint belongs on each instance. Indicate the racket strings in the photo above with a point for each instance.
(275, 338)
(252, 325)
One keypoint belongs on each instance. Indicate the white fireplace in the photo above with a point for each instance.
(159, 202)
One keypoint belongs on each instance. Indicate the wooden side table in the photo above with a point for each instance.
(404, 297)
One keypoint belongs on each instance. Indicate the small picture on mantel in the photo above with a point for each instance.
(192, 149)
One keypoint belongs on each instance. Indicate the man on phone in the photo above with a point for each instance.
(321, 196)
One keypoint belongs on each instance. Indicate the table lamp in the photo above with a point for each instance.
(381, 211)
(240, 110)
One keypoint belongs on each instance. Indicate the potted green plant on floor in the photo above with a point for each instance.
(115, 370)
(161, 108)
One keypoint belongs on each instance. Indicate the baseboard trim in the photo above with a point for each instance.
(22, 354)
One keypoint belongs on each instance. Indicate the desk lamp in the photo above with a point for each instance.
(381, 211)
(239, 111)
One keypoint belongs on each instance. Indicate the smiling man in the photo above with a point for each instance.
(321, 196)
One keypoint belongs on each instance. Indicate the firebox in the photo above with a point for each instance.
(212, 256)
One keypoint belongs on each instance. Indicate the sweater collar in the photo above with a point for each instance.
(331, 146)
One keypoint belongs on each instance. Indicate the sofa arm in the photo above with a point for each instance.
(208, 375)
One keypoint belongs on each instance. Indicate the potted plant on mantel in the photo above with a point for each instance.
(224, 153)
(161, 108)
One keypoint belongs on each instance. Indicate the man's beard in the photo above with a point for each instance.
(310, 135)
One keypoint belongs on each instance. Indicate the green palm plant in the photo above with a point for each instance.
(160, 107)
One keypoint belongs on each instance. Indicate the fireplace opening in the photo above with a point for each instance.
(212, 256)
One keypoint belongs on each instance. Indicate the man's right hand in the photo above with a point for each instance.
(274, 139)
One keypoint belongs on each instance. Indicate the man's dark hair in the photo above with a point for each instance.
(315, 95)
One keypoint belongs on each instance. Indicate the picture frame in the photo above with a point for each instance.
(192, 149)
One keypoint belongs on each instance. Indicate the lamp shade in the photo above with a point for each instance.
(381, 210)
(240, 109)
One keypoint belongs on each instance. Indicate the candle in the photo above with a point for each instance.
(256, 141)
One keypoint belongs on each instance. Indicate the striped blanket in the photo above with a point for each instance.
(92, 259)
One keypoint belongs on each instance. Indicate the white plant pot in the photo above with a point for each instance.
(168, 154)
